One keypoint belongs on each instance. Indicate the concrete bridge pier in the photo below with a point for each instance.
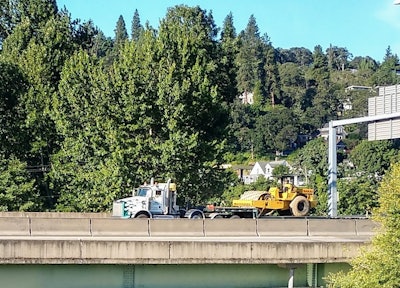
(292, 268)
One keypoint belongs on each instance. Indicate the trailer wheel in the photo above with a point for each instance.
(235, 217)
(196, 215)
(215, 215)
(300, 206)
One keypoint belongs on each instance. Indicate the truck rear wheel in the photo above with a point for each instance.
(300, 206)
(196, 215)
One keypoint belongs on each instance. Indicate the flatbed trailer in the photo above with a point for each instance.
(231, 212)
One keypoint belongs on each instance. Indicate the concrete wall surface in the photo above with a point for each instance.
(109, 240)
(267, 227)
(173, 251)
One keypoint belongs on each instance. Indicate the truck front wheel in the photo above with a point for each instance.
(142, 216)
(300, 206)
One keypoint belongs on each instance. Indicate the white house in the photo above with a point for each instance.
(247, 98)
(265, 169)
(340, 132)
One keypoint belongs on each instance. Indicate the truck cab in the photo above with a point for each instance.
(148, 201)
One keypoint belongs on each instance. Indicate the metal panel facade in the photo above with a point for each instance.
(386, 102)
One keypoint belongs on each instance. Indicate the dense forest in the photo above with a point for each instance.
(85, 118)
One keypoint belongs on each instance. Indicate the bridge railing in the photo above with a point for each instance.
(107, 226)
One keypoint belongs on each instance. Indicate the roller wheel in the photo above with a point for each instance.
(300, 206)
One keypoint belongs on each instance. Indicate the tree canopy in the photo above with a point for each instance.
(377, 265)
(85, 117)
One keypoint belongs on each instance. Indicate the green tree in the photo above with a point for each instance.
(135, 111)
(378, 264)
(227, 65)
(276, 130)
(85, 174)
(136, 28)
(18, 191)
(270, 70)
(6, 22)
(324, 105)
(297, 55)
(12, 86)
(121, 34)
(311, 161)
(249, 59)
(386, 73)
(357, 195)
(242, 121)
(293, 87)
(280, 170)
(39, 45)
(193, 119)
(338, 57)
(373, 157)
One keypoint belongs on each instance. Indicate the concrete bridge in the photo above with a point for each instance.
(81, 239)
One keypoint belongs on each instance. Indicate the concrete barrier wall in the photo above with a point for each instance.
(60, 227)
(366, 227)
(55, 214)
(14, 226)
(279, 227)
(119, 227)
(96, 227)
(230, 227)
(176, 227)
(332, 227)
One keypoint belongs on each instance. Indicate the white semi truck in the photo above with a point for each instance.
(154, 200)
(158, 200)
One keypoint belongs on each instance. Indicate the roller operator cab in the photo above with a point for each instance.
(154, 200)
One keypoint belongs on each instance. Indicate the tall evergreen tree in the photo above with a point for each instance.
(136, 28)
(121, 34)
(229, 50)
(386, 73)
(324, 104)
(250, 58)
(271, 79)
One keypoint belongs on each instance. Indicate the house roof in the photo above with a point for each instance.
(273, 164)
(241, 167)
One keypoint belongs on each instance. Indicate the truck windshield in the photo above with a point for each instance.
(142, 192)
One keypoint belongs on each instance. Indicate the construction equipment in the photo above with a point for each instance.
(154, 200)
(285, 200)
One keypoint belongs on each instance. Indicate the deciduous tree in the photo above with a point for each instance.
(378, 264)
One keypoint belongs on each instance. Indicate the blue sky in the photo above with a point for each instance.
(364, 27)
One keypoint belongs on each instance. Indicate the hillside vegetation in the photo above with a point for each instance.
(85, 118)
